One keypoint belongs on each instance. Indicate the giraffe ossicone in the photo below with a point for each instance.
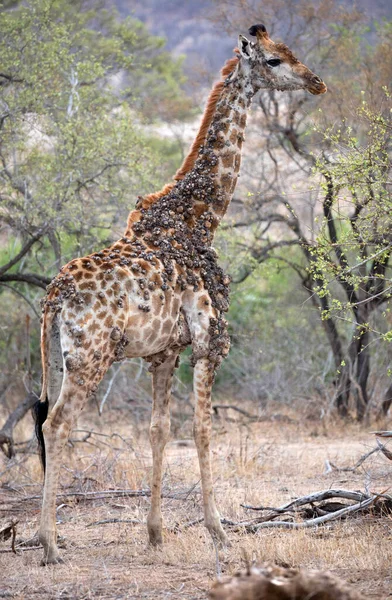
(159, 288)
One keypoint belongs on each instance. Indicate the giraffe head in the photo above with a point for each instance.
(274, 66)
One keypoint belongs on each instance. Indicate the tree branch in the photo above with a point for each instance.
(31, 278)
(23, 251)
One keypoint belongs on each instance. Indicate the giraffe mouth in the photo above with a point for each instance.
(317, 88)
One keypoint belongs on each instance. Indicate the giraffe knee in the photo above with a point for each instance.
(159, 432)
(201, 433)
(54, 428)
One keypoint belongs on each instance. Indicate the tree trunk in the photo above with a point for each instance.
(6, 433)
(362, 375)
(343, 391)
(354, 375)
(321, 303)
(386, 404)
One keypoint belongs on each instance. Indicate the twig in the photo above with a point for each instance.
(90, 432)
(21, 549)
(217, 407)
(191, 523)
(331, 467)
(105, 521)
(108, 389)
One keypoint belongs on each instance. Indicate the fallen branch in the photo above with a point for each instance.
(321, 513)
(315, 497)
(104, 494)
(338, 514)
(89, 495)
(387, 453)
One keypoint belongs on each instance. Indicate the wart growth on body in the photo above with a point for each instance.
(159, 288)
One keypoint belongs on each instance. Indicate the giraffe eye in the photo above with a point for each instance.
(274, 62)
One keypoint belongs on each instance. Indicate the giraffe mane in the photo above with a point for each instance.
(209, 110)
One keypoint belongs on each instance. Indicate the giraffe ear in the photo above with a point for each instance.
(245, 47)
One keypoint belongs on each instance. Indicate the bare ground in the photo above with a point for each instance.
(265, 463)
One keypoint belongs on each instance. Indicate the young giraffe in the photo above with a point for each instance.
(159, 288)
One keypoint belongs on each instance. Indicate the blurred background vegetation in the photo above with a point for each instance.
(97, 108)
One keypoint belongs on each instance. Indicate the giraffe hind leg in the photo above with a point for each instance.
(55, 432)
(75, 388)
(54, 383)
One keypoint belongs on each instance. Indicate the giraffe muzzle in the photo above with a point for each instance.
(317, 86)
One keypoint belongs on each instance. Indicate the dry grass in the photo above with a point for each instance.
(262, 463)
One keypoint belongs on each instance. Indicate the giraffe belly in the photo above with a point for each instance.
(151, 331)
(146, 341)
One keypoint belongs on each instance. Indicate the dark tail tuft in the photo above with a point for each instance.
(40, 412)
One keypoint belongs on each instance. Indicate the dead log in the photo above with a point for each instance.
(297, 515)
(315, 497)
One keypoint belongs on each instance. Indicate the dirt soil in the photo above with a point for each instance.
(265, 463)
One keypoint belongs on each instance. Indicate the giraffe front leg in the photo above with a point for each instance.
(203, 379)
(159, 435)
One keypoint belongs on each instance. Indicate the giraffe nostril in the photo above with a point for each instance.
(316, 79)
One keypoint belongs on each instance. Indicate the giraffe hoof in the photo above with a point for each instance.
(226, 544)
(52, 561)
(154, 529)
(222, 542)
(155, 540)
(219, 537)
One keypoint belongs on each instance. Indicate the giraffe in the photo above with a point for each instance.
(158, 289)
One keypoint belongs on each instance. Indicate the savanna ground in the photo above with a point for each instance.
(267, 462)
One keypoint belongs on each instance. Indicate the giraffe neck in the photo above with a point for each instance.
(202, 194)
(218, 165)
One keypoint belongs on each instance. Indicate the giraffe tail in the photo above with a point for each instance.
(40, 412)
